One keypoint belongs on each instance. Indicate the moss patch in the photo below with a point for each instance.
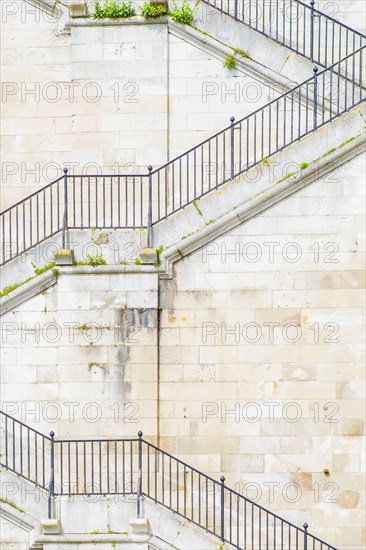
(12, 504)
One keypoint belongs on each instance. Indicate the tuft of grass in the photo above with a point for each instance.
(230, 62)
(265, 161)
(40, 270)
(123, 263)
(137, 261)
(183, 15)
(151, 11)
(241, 53)
(159, 251)
(95, 260)
(12, 504)
(114, 10)
(304, 165)
(7, 289)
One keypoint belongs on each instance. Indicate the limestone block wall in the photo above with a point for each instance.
(107, 98)
(261, 375)
(81, 357)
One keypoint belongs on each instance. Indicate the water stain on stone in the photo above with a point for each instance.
(348, 499)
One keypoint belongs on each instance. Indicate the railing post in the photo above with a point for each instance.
(236, 9)
(64, 221)
(315, 97)
(51, 487)
(149, 213)
(222, 479)
(312, 16)
(139, 485)
(306, 536)
(232, 149)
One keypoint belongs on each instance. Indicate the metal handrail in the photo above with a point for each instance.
(142, 201)
(133, 466)
(299, 27)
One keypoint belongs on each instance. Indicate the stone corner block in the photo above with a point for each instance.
(64, 257)
(50, 526)
(140, 526)
(77, 8)
(148, 255)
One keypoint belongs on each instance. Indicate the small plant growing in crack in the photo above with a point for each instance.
(196, 207)
(230, 62)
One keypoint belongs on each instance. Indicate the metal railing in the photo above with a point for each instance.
(300, 27)
(135, 467)
(141, 201)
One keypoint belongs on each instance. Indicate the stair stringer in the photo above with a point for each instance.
(240, 200)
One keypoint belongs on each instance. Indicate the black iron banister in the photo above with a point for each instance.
(133, 466)
(291, 23)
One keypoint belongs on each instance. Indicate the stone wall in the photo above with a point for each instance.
(108, 98)
(90, 340)
(261, 375)
(255, 372)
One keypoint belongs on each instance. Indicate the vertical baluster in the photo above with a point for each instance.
(84, 464)
(149, 215)
(170, 481)
(43, 464)
(77, 467)
(82, 202)
(37, 216)
(111, 199)
(199, 499)
(222, 508)
(202, 164)
(139, 483)
(159, 199)
(192, 500)
(116, 490)
(61, 469)
(185, 490)
(24, 239)
(217, 161)
(123, 468)
(162, 477)
(28, 450)
(35, 458)
(51, 488)
(155, 475)
(131, 467)
(96, 202)
(232, 148)
(141, 224)
(16, 231)
(69, 466)
(284, 121)
(92, 466)
(133, 202)
(177, 485)
(21, 449)
(126, 201)
(209, 165)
